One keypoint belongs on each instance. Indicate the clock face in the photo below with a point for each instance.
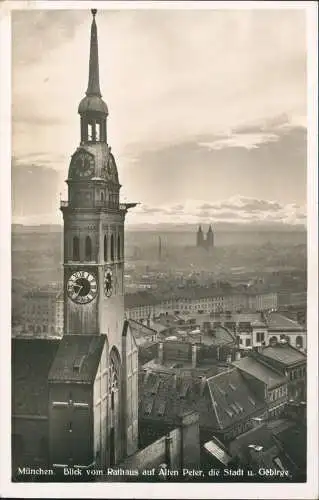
(82, 165)
(108, 282)
(82, 287)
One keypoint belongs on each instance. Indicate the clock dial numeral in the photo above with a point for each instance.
(82, 287)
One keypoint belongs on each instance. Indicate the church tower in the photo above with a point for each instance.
(210, 238)
(93, 223)
(200, 238)
(94, 375)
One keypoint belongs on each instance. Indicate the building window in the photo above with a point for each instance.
(248, 342)
(105, 248)
(76, 248)
(88, 248)
(112, 247)
(112, 400)
(102, 196)
(260, 336)
(90, 132)
(98, 132)
(118, 247)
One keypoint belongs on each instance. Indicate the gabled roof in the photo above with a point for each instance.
(77, 358)
(283, 353)
(232, 400)
(266, 374)
(31, 362)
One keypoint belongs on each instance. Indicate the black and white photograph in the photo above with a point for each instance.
(162, 328)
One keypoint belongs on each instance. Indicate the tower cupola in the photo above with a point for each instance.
(92, 109)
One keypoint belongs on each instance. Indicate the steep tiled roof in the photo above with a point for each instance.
(221, 400)
(164, 395)
(280, 322)
(284, 354)
(140, 330)
(77, 358)
(258, 370)
(31, 362)
(231, 398)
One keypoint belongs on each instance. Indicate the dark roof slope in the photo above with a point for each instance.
(266, 374)
(77, 359)
(31, 362)
(232, 400)
(283, 353)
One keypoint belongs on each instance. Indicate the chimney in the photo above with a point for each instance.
(194, 355)
(190, 444)
(160, 353)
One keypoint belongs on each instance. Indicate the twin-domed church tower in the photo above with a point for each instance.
(93, 379)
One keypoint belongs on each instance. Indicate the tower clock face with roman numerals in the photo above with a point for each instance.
(82, 287)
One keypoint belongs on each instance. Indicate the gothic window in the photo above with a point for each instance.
(118, 247)
(88, 248)
(112, 247)
(105, 248)
(76, 248)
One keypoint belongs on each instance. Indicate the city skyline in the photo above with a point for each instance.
(231, 109)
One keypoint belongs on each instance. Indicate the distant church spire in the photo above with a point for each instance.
(94, 79)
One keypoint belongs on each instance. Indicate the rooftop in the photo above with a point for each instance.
(77, 358)
(232, 400)
(283, 353)
(277, 321)
(258, 370)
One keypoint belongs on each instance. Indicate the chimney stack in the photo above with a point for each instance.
(237, 355)
(160, 353)
(194, 355)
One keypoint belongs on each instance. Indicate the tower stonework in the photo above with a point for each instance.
(93, 379)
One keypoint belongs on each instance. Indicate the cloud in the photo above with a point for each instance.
(236, 209)
(247, 141)
(186, 75)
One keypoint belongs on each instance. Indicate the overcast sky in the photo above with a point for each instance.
(207, 108)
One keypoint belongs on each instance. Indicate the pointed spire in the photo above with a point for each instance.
(94, 80)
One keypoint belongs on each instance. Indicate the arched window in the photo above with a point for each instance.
(102, 196)
(105, 248)
(88, 248)
(76, 248)
(299, 342)
(112, 247)
(118, 247)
